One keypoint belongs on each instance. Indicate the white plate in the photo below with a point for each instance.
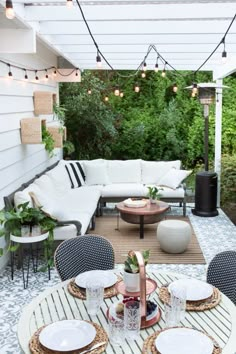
(135, 203)
(67, 335)
(195, 289)
(106, 277)
(183, 341)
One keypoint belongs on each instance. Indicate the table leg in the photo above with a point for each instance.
(141, 227)
(118, 222)
(12, 264)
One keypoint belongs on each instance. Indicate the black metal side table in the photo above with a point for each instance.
(30, 241)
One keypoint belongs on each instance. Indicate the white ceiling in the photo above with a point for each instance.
(184, 32)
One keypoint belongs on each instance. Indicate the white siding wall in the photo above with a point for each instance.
(18, 162)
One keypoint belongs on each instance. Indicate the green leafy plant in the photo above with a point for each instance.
(131, 263)
(68, 148)
(154, 193)
(12, 220)
(59, 112)
(48, 141)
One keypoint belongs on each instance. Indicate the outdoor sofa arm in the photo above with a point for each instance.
(68, 222)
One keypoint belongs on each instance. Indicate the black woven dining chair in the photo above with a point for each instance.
(221, 273)
(83, 253)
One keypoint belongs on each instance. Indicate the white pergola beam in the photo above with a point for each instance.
(116, 12)
(225, 70)
(17, 41)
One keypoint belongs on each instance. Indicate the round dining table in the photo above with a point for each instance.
(56, 303)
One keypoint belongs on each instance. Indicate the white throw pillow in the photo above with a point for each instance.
(173, 178)
(153, 171)
(96, 173)
(22, 197)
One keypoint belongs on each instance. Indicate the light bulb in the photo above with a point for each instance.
(143, 75)
(136, 88)
(9, 72)
(175, 88)
(195, 89)
(121, 94)
(89, 91)
(69, 4)
(36, 76)
(26, 76)
(117, 92)
(144, 66)
(76, 73)
(10, 14)
(193, 94)
(163, 74)
(55, 72)
(156, 69)
(224, 57)
(46, 75)
(106, 99)
(99, 61)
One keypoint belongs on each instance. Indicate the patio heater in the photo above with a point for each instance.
(206, 181)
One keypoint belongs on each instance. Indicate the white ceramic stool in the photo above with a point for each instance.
(174, 235)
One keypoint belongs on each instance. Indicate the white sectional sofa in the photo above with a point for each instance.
(74, 191)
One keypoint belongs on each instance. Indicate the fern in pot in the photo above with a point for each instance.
(131, 271)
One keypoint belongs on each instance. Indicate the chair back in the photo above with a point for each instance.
(222, 273)
(83, 253)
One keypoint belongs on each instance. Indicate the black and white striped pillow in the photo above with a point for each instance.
(76, 174)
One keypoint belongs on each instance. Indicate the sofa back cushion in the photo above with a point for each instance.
(60, 178)
(153, 171)
(128, 171)
(96, 173)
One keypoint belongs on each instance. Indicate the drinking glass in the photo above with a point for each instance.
(175, 308)
(36, 230)
(132, 319)
(25, 230)
(94, 296)
(116, 330)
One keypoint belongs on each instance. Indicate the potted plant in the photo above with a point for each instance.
(131, 271)
(13, 221)
(154, 194)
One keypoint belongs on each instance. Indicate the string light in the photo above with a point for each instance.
(69, 4)
(121, 94)
(194, 89)
(9, 72)
(98, 60)
(76, 73)
(137, 88)
(89, 91)
(117, 91)
(26, 76)
(193, 94)
(163, 74)
(106, 99)
(224, 53)
(55, 72)
(156, 69)
(46, 75)
(36, 75)
(175, 88)
(144, 66)
(9, 11)
(143, 75)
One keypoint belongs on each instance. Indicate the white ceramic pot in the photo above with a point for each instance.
(132, 282)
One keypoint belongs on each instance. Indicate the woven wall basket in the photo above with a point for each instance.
(43, 102)
(31, 130)
(57, 134)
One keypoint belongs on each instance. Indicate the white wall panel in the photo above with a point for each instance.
(18, 162)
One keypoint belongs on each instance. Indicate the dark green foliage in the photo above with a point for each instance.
(228, 179)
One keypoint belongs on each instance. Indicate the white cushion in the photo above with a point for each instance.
(46, 185)
(173, 178)
(152, 171)
(60, 179)
(83, 217)
(64, 232)
(168, 192)
(22, 197)
(96, 173)
(42, 200)
(123, 190)
(124, 171)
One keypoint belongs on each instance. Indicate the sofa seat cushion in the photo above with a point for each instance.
(168, 192)
(83, 217)
(153, 171)
(124, 171)
(123, 190)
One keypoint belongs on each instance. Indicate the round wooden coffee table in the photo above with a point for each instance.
(149, 214)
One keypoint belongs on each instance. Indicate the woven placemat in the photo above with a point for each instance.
(202, 305)
(149, 344)
(101, 336)
(80, 293)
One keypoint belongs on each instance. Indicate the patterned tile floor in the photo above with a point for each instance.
(215, 234)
